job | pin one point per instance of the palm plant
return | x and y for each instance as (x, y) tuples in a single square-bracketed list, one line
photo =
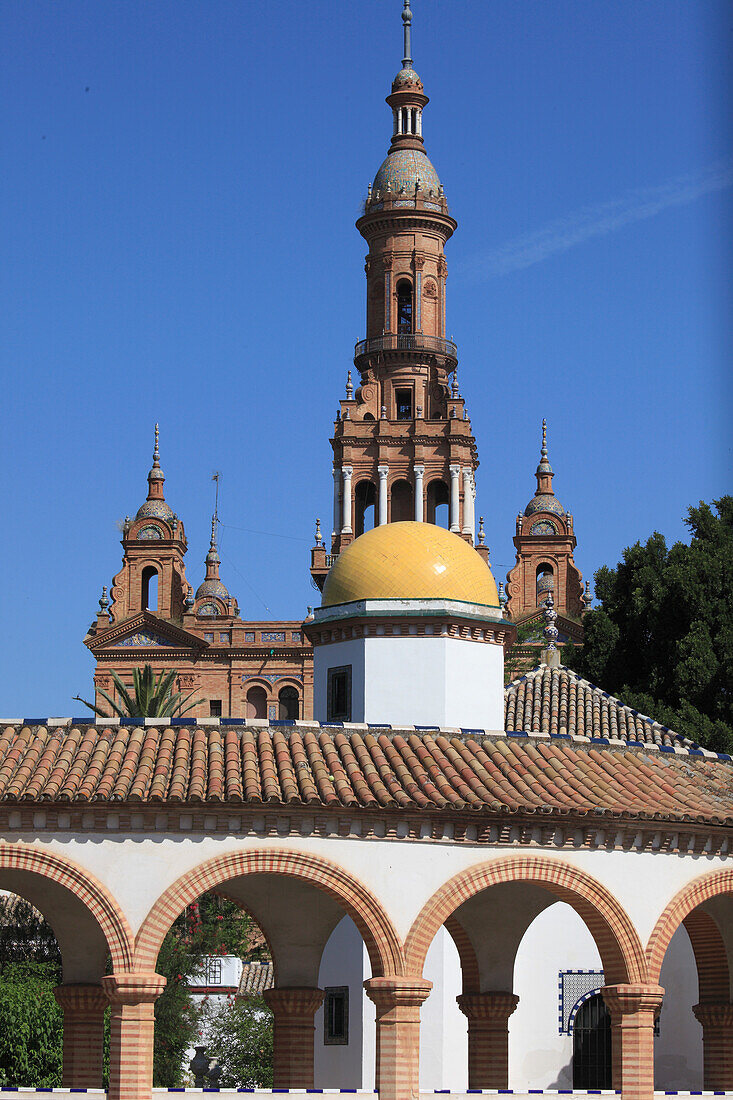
[(150, 697)]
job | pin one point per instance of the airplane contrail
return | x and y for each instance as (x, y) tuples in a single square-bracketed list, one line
[(597, 220)]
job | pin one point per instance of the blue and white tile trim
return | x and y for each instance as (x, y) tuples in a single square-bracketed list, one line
[(9, 1093), (692, 748), (574, 987)]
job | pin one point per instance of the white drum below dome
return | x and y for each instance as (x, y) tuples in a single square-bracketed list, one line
[(426, 663)]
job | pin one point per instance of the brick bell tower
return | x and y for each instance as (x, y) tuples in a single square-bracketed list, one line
[(154, 544), (403, 445), (544, 542)]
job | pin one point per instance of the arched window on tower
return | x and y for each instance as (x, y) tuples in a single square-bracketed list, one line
[(289, 703), (149, 589), (545, 582), (404, 306), (403, 501), (365, 500), (437, 503), (592, 1045)]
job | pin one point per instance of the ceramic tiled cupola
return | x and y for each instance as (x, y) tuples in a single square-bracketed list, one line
[(410, 631)]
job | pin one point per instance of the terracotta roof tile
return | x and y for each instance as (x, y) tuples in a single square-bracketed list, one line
[(557, 700), (359, 768), (256, 978)]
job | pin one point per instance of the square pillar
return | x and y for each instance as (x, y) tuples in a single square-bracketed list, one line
[(633, 1009), (717, 1045), (293, 1010), (398, 1003), (83, 1007), (488, 1037), (132, 1027)]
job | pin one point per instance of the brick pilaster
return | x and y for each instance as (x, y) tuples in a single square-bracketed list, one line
[(717, 1045), (398, 1003), (488, 1037), (633, 1009), (132, 997), (293, 1009), (83, 1007)]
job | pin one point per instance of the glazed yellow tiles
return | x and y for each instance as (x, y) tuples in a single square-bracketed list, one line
[(410, 560)]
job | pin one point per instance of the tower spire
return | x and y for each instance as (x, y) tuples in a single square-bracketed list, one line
[(544, 473), (156, 477), (406, 25)]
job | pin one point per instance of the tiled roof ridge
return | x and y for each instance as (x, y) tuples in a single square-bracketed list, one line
[(540, 669), (287, 726)]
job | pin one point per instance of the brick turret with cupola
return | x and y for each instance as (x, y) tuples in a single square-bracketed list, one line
[(403, 444), (233, 668), (545, 541)]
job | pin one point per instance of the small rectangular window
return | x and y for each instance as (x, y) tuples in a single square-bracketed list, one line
[(212, 972), (339, 694), (214, 708), (403, 399), (336, 1016)]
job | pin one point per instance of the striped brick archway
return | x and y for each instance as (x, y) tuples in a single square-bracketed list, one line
[(681, 907), (85, 888), (615, 936), (382, 942)]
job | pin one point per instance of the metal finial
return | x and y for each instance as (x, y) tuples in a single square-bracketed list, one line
[(406, 22), (544, 438), (503, 598), (103, 601), (587, 597), (214, 520), (481, 535), (551, 632), (349, 386), (156, 451), (319, 537)]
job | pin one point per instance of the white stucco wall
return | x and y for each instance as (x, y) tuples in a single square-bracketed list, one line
[(345, 962), (449, 682), (443, 1027)]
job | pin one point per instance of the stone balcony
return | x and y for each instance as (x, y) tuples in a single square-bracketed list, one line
[(412, 344)]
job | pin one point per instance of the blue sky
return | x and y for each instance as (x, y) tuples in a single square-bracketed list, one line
[(178, 202)]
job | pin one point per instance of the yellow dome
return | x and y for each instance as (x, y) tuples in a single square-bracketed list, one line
[(409, 561)]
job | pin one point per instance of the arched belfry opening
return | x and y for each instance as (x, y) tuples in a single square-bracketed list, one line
[(403, 501), (365, 505), (545, 582), (149, 589), (404, 306), (438, 498)]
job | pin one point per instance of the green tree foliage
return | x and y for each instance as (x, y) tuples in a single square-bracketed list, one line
[(151, 697), (240, 1037), (25, 937), (31, 1026), (662, 637), (211, 926)]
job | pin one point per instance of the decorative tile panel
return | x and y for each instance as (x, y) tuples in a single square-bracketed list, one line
[(145, 638), (574, 985), (271, 637)]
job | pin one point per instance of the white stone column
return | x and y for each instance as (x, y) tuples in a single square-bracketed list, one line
[(419, 502), (467, 496), (473, 509), (346, 472), (336, 499), (383, 472), (455, 499)]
